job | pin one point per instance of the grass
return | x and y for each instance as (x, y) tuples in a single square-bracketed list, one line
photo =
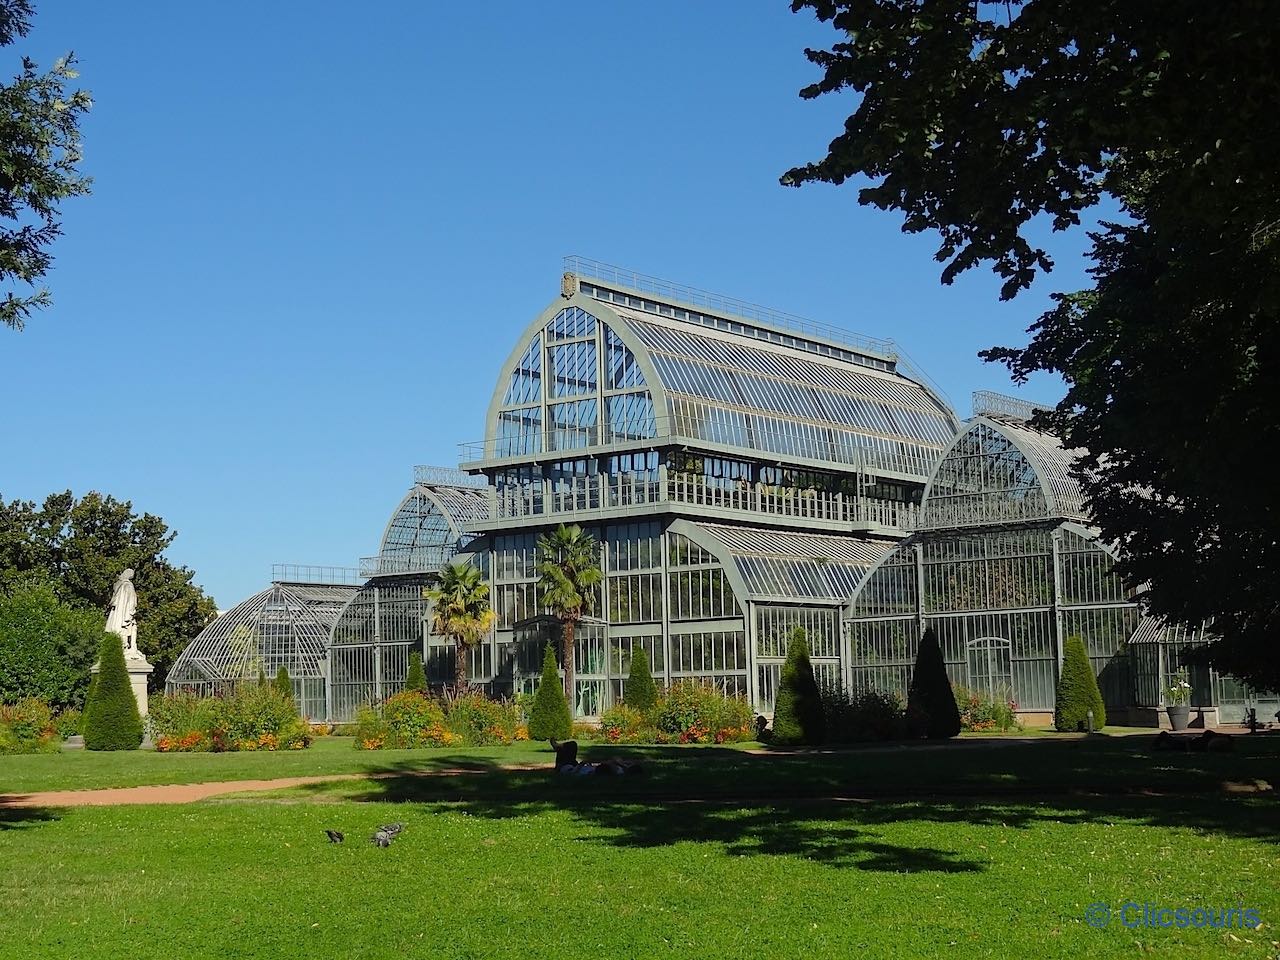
[(976, 848)]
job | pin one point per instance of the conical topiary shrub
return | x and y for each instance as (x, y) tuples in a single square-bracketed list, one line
[(113, 722), (88, 699), (283, 684), (416, 681), (549, 718), (797, 713), (1077, 691), (931, 695), (639, 691)]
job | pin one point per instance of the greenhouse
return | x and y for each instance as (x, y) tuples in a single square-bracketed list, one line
[(286, 625)]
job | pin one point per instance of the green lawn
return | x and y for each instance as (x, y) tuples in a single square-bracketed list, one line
[(974, 849)]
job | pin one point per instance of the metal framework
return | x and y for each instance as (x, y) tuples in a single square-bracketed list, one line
[(286, 625)]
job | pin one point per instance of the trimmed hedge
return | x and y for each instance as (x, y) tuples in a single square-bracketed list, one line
[(931, 698), (113, 721), (549, 718), (1077, 691), (416, 681), (797, 712), (639, 690)]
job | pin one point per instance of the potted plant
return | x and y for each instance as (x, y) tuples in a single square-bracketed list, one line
[(1177, 699)]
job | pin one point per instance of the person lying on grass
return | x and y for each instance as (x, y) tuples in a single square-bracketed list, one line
[(567, 762)]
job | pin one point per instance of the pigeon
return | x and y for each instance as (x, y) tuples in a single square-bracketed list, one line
[(382, 839), (393, 829), (334, 836)]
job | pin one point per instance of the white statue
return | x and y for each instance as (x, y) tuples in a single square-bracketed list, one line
[(122, 614)]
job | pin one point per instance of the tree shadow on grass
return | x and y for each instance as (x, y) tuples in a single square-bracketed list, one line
[(832, 807), (16, 818)]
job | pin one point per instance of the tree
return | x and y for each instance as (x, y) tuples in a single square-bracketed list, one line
[(460, 610), (550, 719), (46, 647), (930, 693), (985, 122), (639, 690), (113, 722), (416, 681), (39, 152), (797, 713), (80, 545), (568, 575), (1077, 691), (283, 685)]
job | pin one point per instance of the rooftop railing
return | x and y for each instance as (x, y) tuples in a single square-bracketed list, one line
[(307, 573), (445, 477), (990, 403)]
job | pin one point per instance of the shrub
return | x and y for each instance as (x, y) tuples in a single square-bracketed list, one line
[(284, 686), (27, 727), (416, 681), (549, 717), (930, 697), (868, 715), (46, 647), (979, 712), (696, 711), (412, 720), (88, 698), (797, 713), (626, 724), (67, 722), (1077, 691), (478, 721), (639, 690), (113, 722), (249, 717), (369, 729)]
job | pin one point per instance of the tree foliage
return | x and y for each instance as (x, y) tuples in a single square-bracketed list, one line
[(283, 685), (987, 122), (569, 575), (113, 721), (930, 694), (639, 691), (460, 610), (40, 117), (81, 545), (416, 680), (1077, 692), (798, 716), (549, 718), (46, 647)]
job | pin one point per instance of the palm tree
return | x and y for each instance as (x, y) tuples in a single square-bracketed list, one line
[(568, 572), (460, 609)]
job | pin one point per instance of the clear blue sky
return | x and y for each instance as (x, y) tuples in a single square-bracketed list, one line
[(317, 229)]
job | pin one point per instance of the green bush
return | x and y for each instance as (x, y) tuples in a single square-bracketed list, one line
[(369, 729), (868, 715), (46, 647), (797, 712), (284, 686), (626, 724), (697, 711), (979, 712), (88, 698), (413, 720), (639, 690), (930, 698), (549, 718), (481, 722), (1077, 691), (416, 681), (113, 722), (27, 727), (248, 717), (67, 722)]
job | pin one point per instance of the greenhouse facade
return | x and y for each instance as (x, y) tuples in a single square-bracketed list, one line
[(745, 472)]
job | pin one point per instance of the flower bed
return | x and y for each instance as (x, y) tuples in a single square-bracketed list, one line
[(689, 711), (28, 726), (252, 717), (982, 713), (412, 719)]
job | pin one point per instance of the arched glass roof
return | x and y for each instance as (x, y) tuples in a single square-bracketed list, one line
[(593, 373), (784, 566), (427, 529), (997, 471), (287, 625)]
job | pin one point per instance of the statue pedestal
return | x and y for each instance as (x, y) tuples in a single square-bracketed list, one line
[(139, 671)]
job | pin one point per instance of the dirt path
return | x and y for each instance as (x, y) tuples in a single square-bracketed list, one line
[(191, 792)]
